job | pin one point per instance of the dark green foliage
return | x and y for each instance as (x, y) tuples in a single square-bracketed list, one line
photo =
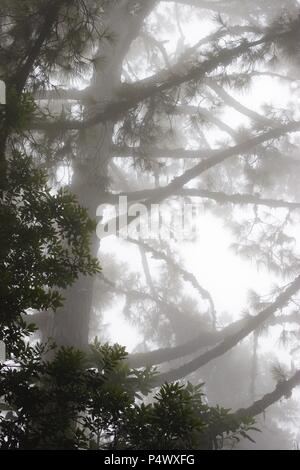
[(55, 35), (19, 110), (44, 245), (64, 398), (90, 400)]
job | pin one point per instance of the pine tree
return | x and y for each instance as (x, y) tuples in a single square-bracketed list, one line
[(140, 124)]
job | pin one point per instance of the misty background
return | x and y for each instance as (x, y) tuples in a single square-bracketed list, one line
[(173, 103)]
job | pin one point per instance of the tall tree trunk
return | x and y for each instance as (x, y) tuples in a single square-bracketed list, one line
[(70, 325)]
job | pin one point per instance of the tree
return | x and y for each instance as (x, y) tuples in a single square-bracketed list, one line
[(67, 404), (62, 398), (123, 118), (44, 246)]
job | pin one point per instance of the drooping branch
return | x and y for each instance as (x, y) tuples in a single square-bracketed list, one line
[(203, 340), (292, 318), (218, 196), (256, 73), (231, 341), (274, 75), (169, 309), (187, 276)]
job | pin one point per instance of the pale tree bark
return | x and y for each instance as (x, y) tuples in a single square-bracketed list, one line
[(70, 325)]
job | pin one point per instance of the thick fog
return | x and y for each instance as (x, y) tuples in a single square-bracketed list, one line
[(229, 254), (179, 133)]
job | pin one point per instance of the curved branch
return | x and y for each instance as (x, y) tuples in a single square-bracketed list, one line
[(282, 390), (204, 339), (231, 341)]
